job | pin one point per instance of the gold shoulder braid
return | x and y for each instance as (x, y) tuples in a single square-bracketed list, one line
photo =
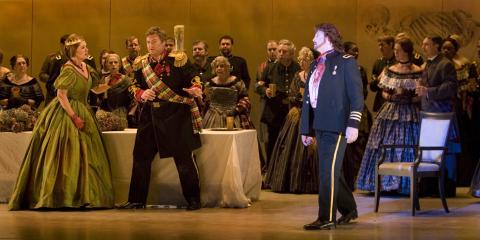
[(137, 64), (180, 58)]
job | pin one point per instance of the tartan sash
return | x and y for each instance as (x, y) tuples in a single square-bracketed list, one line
[(126, 64), (165, 93)]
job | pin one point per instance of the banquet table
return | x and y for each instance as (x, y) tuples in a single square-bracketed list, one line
[(228, 165)]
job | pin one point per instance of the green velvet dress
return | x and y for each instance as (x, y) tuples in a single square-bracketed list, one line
[(64, 167)]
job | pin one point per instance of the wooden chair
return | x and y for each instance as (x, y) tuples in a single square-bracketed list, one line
[(429, 158)]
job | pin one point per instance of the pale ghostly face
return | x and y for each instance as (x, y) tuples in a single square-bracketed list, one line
[(319, 41)]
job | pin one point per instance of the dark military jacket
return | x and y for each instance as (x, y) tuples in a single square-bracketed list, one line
[(340, 97)]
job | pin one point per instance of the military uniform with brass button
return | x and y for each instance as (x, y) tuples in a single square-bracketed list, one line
[(339, 105), (164, 127), (51, 69)]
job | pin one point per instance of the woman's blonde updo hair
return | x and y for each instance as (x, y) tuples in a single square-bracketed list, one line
[(72, 43), (220, 60), (305, 54)]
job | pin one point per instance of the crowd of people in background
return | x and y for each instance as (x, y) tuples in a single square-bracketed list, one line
[(404, 82)]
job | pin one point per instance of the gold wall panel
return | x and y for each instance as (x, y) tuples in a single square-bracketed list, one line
[(250, 30), (379, 17), (135, 17), (54, 18), (296, 21), (15, 29), (33, 27), (468, 14)]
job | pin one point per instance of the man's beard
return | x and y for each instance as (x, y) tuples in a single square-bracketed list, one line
[(226, 52), (285, 61), (133, 54), (199, 58)]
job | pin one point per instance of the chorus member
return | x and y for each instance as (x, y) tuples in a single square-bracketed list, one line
[(437, 89), (385, 45), (226, 95), (294, 167), (239, 64), (397, 121), (274, 90), (18, 88)]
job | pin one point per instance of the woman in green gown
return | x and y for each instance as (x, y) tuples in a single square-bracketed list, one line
[(66, 165)]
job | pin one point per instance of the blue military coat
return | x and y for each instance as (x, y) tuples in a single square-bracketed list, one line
[(340, 97)]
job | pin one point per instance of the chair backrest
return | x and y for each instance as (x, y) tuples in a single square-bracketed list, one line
[(434, 131)]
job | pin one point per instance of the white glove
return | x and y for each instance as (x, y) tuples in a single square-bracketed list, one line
[(351, 134), (306, 140)]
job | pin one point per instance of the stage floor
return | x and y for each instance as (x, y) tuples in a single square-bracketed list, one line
[(275, 216)]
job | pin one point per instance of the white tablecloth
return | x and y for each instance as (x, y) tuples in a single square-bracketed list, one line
[(228, 165)]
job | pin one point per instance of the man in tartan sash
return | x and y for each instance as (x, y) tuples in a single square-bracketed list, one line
[(169, 121)]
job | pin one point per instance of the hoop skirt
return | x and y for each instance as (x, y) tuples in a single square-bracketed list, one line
[(64, 167), (292, 166), (397, 122)]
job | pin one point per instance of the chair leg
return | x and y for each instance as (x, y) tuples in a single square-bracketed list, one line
[(441, 189), (377, 190), (413, 190), (417, 200)]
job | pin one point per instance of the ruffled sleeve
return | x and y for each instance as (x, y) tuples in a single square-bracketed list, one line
[(66, 79)]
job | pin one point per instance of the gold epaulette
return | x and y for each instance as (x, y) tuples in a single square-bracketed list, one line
[(137, 64), (417, 56), (181, 58), (58, 56), (90, 57), (346, 56)]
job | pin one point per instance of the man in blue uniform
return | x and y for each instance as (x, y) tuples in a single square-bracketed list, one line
[(332, 109)]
